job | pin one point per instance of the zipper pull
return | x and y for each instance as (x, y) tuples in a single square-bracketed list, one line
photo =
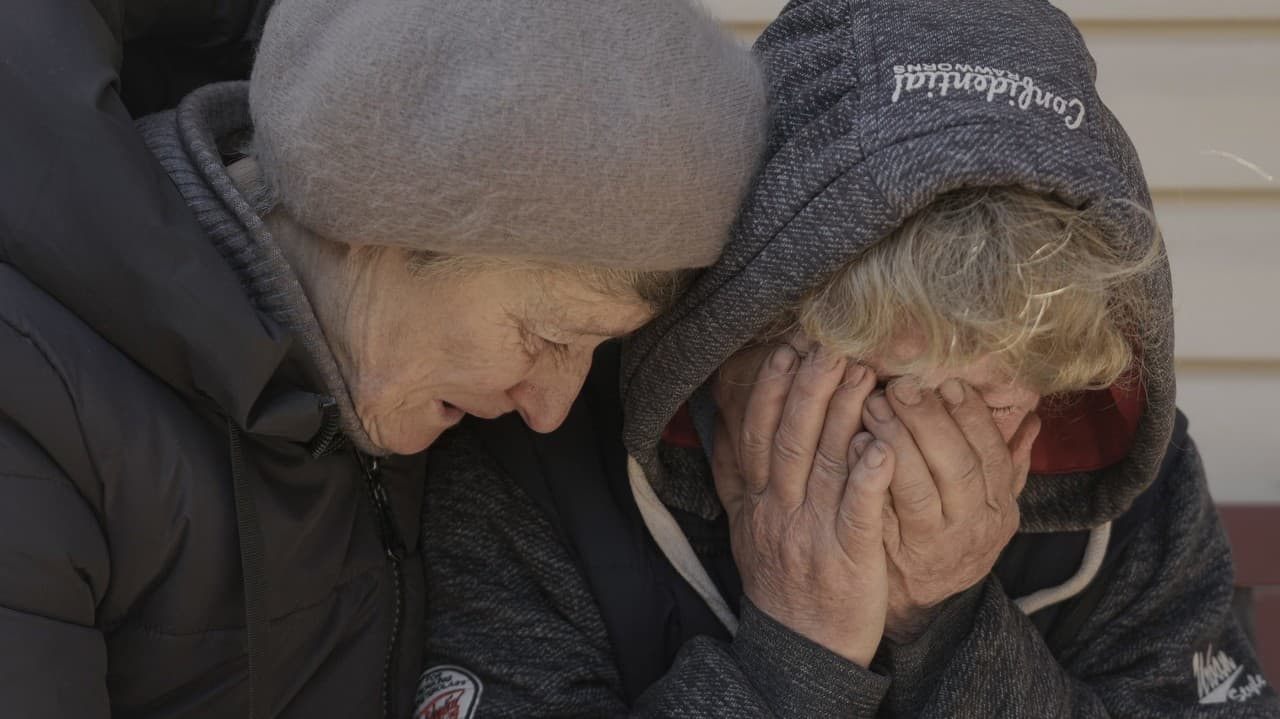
[(329, 437), (392, 542)]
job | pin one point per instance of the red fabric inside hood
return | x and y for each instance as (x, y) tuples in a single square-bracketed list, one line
[(1087, 431), (1080, 432)]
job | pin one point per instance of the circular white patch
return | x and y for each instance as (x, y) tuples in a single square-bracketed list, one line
[(447, 692)]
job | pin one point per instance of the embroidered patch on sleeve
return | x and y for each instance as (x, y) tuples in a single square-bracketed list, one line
[(447, 692)]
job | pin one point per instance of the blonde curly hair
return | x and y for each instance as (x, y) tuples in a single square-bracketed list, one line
[(1000, 271)]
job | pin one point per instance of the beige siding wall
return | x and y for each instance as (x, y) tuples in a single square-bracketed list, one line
[(1197, 84)]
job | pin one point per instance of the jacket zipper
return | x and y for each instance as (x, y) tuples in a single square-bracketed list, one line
[(394, 547), (330, 438)]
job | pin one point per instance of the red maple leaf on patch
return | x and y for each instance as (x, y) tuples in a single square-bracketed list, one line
[(445, 705)]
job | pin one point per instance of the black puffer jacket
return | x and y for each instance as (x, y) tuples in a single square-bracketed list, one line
[(131, 359)]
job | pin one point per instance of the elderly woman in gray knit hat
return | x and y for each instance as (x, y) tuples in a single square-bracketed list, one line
[(212, 418), (547, 165)]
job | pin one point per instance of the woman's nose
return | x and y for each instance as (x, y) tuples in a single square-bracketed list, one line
[(544, 398)]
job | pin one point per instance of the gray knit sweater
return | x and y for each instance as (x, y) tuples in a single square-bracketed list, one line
[(508, 602)]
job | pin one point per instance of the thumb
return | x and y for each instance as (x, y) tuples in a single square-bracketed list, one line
[(860, 521)]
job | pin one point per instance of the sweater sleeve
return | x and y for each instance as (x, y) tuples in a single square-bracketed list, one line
[(1162, 641), (510, 613)]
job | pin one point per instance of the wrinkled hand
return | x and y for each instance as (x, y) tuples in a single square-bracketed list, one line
[(805, 521), (954, 494)]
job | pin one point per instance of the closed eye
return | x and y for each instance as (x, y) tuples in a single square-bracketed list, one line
[(531, 345), (535, 343)]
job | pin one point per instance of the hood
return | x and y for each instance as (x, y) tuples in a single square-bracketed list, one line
[(879, 108)]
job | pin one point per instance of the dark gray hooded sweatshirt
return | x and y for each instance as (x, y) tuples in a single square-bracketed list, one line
[(880, 107)]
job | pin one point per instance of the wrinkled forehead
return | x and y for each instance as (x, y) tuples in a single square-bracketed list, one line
[(578, 305)]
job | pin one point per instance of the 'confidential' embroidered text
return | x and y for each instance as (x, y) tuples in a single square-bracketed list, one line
[(1020, 91)]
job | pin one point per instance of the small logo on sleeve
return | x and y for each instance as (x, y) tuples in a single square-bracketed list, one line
[(995, 84), (447, 692), (1218, 678)]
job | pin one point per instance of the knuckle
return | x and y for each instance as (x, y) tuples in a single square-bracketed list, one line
[(1000, 462), (915, 501), (971, 473), (854, 521), (996, 503), (995, 454), (829, 465), (1005, 501), (787, 448), (752, 442)]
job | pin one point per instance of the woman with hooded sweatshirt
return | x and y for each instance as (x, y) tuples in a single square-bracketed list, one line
[(925, 459), (227, 333)]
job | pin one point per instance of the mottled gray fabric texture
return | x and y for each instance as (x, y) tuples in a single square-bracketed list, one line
[(1134, 656), (188, 141), (506, 601), (865, 135), (616, 133)]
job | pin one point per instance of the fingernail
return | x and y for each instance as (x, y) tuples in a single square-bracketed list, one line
[(952, 392), (860, 442), (784, 359), (907, 391), (874, 456), (879, 407)]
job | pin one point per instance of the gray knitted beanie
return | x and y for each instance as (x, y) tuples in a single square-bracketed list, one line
[(614, 133)]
